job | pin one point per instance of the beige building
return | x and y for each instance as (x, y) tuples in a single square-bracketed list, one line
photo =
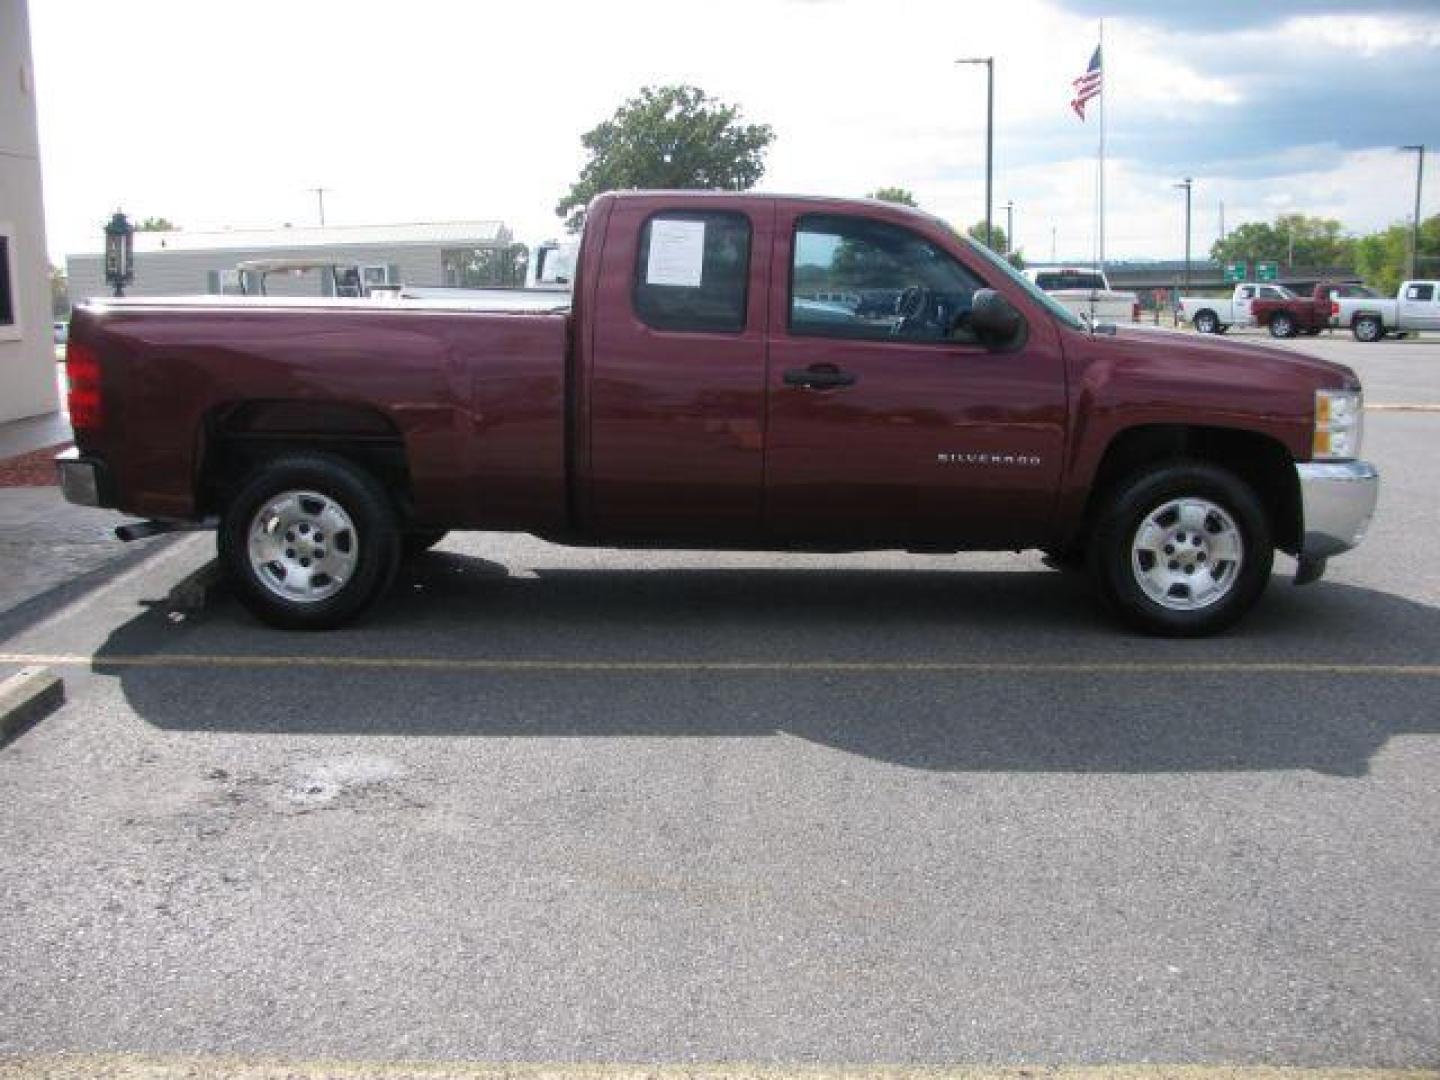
[(27, 349), (187, 263)]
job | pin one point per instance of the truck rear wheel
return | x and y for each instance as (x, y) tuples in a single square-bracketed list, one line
[(1207, 322), (309, 540), (1367, 328), (1282, 325), (1182, 549)]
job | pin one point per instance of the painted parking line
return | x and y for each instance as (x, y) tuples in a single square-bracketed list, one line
[(131, 1067), (1401, 406), (779, 667)]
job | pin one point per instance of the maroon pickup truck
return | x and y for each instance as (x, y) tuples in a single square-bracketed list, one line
[(732, 371), (1305, 315)]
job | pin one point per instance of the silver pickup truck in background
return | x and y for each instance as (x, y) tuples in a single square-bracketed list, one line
[(1085, 293), (1415, 307)]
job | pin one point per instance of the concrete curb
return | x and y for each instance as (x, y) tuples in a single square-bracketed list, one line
[(27, 697)]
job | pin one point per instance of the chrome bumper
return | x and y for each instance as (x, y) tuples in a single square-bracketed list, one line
[(1337, 501)]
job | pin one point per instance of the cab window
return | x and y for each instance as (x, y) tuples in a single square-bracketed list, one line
[(1420, 292), (693, 270), (859, 278)]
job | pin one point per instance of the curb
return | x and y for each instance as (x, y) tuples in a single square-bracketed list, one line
[(27, 697)]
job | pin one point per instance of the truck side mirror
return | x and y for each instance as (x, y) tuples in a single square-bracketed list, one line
[(993, 318)]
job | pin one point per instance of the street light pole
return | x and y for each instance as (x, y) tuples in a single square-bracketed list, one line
[(989, 62), (320, 194), (1415, 222), (1187, 183), (1009, 226)]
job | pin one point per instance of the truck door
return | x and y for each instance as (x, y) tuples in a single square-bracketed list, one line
[(885, 427), (674, 388), (1419, 308), (1244, 297)]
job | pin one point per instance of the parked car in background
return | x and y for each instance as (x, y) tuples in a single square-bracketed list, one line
[(1416, 306), (1085, 292), (1303, 314), (1215, 315), (693, 395)]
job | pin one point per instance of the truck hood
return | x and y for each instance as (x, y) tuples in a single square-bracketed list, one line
[(1251, 361)]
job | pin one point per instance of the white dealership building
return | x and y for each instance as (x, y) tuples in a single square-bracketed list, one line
[(27, 344)]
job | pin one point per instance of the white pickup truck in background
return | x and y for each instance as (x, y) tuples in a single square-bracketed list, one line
[(1415, 307), (1086, 293), (1215, 315)]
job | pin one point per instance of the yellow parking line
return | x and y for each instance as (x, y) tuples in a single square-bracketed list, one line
[(661, 667), (132, 1067)]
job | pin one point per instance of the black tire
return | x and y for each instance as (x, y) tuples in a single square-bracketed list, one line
[(1206, 322), (1367, 328), (365, 532), (1118, 570), (1282, 325), (418, 541)]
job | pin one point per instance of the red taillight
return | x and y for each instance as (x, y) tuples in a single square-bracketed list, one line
[(82, 369), (1335, 308)]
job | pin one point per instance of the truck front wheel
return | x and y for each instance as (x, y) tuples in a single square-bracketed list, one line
[(1282, 325), (1182, 549), (1368, 328), (309, 540)]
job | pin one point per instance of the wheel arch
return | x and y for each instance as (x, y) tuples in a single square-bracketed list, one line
[(239, 437), (1261, 461)]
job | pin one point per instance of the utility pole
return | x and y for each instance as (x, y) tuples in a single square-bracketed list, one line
[(1415, 221), (989, 62), (1009, 226), (320, 194), (1187, 184), (1052, 243), (1222, 219)]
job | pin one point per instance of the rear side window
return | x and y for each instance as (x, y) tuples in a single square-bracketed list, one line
[(693, 270), (1420, 292)]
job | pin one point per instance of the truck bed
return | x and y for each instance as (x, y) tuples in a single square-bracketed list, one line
[(473, 392)]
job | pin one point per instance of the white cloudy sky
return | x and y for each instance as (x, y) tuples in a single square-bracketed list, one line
[(222, 114)]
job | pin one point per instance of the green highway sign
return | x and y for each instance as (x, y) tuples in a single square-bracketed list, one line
[(1236, 271), (1267, 271)]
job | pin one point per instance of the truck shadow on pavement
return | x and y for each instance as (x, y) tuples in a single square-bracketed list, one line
[(1189, 710)]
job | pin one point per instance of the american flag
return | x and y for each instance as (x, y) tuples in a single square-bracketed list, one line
[(1087, 86)]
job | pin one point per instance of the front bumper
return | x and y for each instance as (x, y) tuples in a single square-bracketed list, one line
[(84, 481), (1337, 501)]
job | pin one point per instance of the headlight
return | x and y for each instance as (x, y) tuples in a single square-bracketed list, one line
[(1338, 424)]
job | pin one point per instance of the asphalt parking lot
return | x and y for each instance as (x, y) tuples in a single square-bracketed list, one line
[(566, 805)]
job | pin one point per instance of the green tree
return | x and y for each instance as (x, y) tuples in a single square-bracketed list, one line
[(668, 137), (1383, 258), (1293, 240), (900, 195), (156, 224), (999, 242)]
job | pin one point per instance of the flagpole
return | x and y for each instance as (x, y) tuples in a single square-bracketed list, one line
[(1105, 79)]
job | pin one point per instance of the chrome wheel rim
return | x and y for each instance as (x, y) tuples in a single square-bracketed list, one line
[(1187, 554), (303, 546)]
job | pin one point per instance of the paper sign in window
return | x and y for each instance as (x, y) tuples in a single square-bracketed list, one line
[(677, 253)]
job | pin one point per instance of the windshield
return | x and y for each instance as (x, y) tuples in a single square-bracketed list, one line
[(1055, 280), (1064, 314)]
